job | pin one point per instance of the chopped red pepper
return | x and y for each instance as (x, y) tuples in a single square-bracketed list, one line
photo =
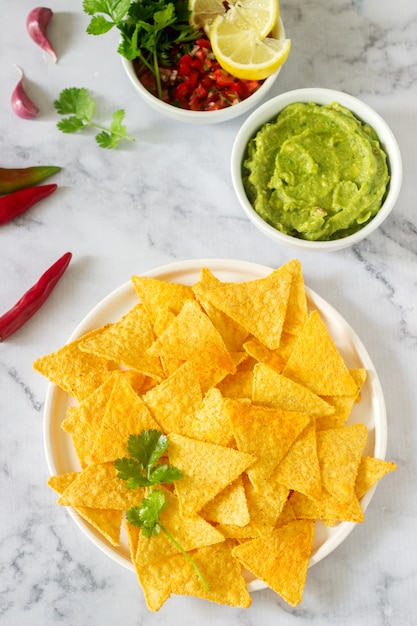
[(196, 81), (33, 299), (20, 201)]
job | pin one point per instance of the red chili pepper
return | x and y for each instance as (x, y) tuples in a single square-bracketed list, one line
[(20, 201), (33, 299), (20, 178)]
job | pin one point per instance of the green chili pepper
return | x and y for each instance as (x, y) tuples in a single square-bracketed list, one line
[(20, 178)]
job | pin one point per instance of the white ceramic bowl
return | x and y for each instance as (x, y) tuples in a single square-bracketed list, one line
[(268, 111), (204, 117)]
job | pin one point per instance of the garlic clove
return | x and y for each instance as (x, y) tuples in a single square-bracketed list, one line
[(22, 105), (37, 26)]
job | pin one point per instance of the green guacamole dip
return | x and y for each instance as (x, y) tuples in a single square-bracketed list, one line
[(316, 172)]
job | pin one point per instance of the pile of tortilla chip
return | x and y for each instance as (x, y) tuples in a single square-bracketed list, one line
[(254, 396)]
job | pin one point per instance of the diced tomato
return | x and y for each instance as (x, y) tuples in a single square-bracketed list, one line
[(196, 81)]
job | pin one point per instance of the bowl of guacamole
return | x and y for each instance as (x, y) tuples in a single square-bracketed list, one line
[(316, 169)]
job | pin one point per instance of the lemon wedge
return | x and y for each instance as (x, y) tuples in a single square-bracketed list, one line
[(243, 52), (261, 15)]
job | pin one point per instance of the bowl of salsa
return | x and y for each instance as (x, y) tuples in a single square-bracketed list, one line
[(195, 88), (316, 169)]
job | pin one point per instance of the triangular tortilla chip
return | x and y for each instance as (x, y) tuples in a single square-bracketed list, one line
[(99, 487), (126, 414), (233, 333), (192, 337), (299, 470), (265, 433), (211, 422), (173, 402), (275, 390), (126, 342), (258, 305), (342, 404), (159, 295), (316, 363), (339, 451), (328, 509), (229, 506), (106, 521), (237, 385), (281, 560), (74, 371), (264, 512), (190, 532), (207, 469), (370, 471), (297, 312)]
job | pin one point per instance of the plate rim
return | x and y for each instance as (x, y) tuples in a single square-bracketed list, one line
[(229, 265)]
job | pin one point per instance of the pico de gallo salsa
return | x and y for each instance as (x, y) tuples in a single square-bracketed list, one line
[(192, 79)]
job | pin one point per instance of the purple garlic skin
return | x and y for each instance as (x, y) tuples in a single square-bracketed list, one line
[(22, 105), (37, 26)]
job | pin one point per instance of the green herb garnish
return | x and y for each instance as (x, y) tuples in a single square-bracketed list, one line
[(141, 469), (80, 106), (149, 29)]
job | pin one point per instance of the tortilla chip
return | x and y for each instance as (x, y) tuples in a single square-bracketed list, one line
[(370, 471), (342, 404), (173, 402), (192, 337), (340, 452), (177, 575), (297, 313), (237, 385), (74, 371), (98, 486), (207, 469), (281, 560), (328, 509), (211, 422), (126, 342), (233, 333), (263, 510), (126, 414), (265, 433), (258, 305), (158, 296), (299, 470), (229, 506), (316, 363), (275, 390)]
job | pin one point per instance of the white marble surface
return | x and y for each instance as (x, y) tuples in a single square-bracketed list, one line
[(165, 198)]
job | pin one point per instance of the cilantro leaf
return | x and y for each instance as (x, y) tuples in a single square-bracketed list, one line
[(165, 474), (78, 102), (131, 470), (147, 514), (148, 447), (99, 25)]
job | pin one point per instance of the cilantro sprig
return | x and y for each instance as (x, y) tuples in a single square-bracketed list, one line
[(80, 106), (149, 29), (142, 469)]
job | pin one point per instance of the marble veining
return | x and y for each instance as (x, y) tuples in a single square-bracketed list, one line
[(168, 197)]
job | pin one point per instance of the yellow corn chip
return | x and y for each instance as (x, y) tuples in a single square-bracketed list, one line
[(107, 521), (173, 402), (159, 295), (237, 385), (211, 421), (98, 486), (265, 433), (342, 404), (281, 560), (263, 510), (370, 471), (207, 469), (316, 363), (299, 470), (275, 390), (126, 414), (328, 509), (76, 372), (339, 452), (259, 305), (232, 333), (127, 342), (229, 506), (296, 315)]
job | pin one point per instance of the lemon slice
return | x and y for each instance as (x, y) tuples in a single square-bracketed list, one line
[(261, 15), (245, 54)]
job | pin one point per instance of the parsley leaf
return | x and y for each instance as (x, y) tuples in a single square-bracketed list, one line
[(80, 105), (141, 469)]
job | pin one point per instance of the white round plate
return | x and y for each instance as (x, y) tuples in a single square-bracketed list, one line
[(370, 411)]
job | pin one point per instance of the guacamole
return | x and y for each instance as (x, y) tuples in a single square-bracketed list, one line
[(316, 172)]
